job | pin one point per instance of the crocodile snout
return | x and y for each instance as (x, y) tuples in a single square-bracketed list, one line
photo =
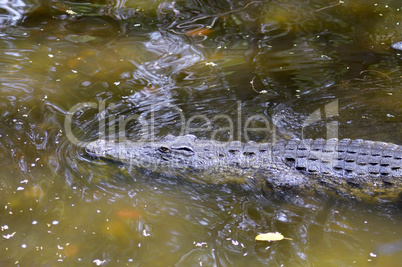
[(397, 46)]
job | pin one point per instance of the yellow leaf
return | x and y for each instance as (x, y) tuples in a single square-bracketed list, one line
[(271, 237)]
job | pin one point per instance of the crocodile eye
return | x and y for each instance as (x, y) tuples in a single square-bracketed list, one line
[(163, 149)]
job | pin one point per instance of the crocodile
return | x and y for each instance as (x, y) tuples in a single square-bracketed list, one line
[(346, 166), (397, 46)]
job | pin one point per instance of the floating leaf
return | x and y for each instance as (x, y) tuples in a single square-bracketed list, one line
[(271, 237)]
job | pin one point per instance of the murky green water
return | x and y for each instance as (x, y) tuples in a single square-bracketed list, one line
[(301, 68)]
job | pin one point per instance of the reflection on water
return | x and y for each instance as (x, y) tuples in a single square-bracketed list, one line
[(164, 63), (11, 12)]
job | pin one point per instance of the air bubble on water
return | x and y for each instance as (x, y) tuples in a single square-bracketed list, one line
[(98, 262), (132, 193)]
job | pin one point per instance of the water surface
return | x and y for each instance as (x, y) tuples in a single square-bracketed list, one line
[(317, 69)]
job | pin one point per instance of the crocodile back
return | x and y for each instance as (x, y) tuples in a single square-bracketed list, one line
[(352, 160)]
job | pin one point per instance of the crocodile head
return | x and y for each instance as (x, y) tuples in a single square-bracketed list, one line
[(170, 152), (397, 46)]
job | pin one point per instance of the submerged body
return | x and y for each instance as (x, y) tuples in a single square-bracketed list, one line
[(347, 166)]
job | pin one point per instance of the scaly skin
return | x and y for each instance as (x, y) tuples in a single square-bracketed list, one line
[(347, 166)]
